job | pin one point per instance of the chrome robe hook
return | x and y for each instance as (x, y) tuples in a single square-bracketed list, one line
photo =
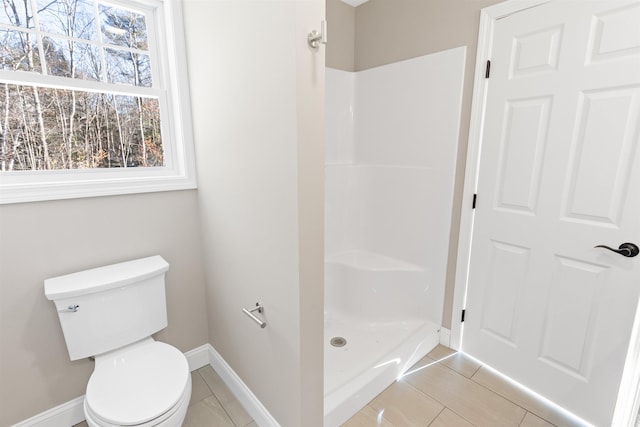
[(315, 38)]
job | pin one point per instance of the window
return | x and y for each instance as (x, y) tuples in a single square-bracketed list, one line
[(93, 99)]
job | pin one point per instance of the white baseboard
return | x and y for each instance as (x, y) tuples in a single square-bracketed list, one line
[(67, 414), (198, 357), (445, 337), (72, 412), (245, 396)]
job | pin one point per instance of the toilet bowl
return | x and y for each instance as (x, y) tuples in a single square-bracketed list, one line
[(110, 313), (144, 384)]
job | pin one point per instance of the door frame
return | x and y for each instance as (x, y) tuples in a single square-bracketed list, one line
[(629, 395)]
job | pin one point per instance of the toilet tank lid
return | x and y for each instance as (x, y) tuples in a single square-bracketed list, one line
[(104, 278)]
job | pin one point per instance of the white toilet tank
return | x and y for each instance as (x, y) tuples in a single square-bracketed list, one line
[(106, 308)]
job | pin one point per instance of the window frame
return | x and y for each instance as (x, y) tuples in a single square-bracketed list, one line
[(170, 76)]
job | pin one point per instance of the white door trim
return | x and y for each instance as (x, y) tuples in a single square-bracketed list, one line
[(629, 396)]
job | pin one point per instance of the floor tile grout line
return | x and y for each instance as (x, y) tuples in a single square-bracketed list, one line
[(458, 372), (439, 361), (412, 371), (205, 383), (523, 416), (476, 371), (538, 416), (502, 396), (464, 418), (224, 408), (233, 398), (213, 393), (522, 420), (463, 376), (437, 415), (444, 406), (227, 412), (426, 394), (526, 409)]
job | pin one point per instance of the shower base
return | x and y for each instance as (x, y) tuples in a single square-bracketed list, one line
[(375, 355)]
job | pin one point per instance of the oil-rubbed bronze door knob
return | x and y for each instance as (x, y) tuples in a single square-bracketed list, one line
[(626, 249)]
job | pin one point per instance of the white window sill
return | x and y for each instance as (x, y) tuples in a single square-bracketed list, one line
[(80, 184)]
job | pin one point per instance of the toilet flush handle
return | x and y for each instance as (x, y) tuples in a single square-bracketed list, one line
[(71, 309)]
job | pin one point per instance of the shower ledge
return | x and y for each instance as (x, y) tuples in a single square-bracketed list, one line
[(372, 261)]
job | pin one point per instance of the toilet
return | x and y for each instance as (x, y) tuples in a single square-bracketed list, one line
[(110, 313)]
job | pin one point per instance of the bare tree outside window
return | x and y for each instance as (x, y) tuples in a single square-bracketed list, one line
[(63, 125)]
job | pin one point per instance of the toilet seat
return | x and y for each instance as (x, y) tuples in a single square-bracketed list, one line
[(171, 418), (139, 385)]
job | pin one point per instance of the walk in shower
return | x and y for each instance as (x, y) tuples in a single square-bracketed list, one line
[(391, 146)]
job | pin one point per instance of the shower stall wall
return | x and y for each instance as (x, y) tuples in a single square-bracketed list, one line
[(392, 136)]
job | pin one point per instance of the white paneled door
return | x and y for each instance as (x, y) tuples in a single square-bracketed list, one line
[(559, 174)]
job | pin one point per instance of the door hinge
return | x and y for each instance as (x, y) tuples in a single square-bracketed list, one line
[(488, 70), (462, 317), (475, 197)]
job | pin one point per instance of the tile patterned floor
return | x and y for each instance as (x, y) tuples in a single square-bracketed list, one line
[(444, 389), (448, 389)]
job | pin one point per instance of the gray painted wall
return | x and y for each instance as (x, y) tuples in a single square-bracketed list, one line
[(47, 239), (258, 112), (341, 40)]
